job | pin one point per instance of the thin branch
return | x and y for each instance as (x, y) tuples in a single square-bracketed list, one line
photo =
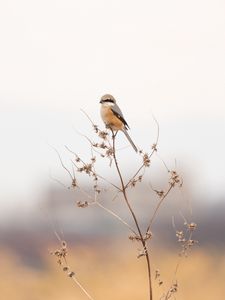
[(96, 202), (116, 216), (106, 180), (160, 158), (57, 180), (92, 144), (71, 151), (81, 287), (158, 206), (137, 172), (157, 136), (87, 116), (62, 164)]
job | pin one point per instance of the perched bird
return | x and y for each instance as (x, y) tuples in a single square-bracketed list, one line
[(113, 118)]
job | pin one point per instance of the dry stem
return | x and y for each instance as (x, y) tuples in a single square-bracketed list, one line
[(143, 241)]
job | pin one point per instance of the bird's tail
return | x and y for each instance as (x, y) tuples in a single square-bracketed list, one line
[(130, 140)]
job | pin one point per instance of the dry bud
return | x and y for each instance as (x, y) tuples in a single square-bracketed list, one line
[(192, 226), (103, 134), (146, 160), (174, 288), (147, 236), (87, 168), (175, 179), (71, 274), (93, 159), (154, 147), (180, 236), (102, 145), (95, 128), (134, 238), (109, 152), (157, 273), (74, 183), (64, 245), (82, 204), (159, 193), (141, 253)]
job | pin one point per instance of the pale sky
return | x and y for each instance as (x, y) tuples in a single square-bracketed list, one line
[(165, 58)]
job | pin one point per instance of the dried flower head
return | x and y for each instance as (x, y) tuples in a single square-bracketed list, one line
[(160, 193), (82, 204), (157, 273), (175, 179), (147, 236), (146, 160), (102, 145), (103, 134), (109, 152), (74, 183), (134, 238), (61, 253), (192, 226), (154, 147), (180, 236), (95, 128), (157, 277), (174, 288), (71, 274)]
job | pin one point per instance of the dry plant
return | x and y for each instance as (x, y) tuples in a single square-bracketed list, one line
[(105, 148)]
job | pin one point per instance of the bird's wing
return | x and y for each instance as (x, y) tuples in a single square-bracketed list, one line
[(116, 110)]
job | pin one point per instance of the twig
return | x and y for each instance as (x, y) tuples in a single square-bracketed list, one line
[(158, 206), (81, 287), (62, 164), (137, 172), (87, 116), (96, 202), (116, 216)]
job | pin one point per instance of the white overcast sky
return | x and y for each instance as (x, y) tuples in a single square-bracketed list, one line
[(165, 58)]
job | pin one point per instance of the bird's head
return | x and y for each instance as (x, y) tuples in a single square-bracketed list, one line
[(107, 98)]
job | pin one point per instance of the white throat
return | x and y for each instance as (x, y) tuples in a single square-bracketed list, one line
[(107, 104)]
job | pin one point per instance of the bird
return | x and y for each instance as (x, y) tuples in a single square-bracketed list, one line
[(113, 117)]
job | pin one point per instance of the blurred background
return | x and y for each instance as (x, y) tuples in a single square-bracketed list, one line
[(161, 60)]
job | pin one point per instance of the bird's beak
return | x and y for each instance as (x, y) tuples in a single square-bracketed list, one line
[(100, 101)]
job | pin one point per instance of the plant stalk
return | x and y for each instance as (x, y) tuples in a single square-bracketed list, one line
[(123, 189)]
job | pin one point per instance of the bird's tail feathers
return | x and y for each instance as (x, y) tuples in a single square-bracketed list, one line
[(130, 140)]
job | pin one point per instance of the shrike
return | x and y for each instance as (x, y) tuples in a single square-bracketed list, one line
[(113, 118)]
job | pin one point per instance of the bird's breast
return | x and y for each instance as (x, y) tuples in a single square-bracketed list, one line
[(110, 119)]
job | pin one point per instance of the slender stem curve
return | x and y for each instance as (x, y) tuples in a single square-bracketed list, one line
[(157, 208)]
